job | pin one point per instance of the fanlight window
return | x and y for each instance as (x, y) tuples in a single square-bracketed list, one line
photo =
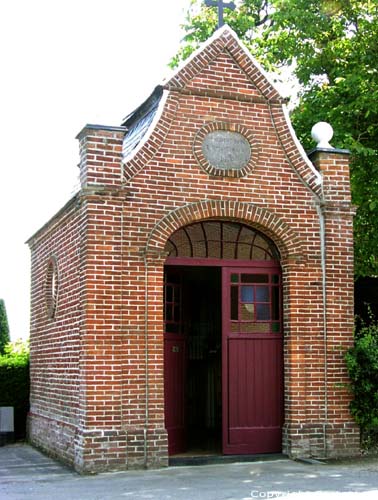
[(221, 240)]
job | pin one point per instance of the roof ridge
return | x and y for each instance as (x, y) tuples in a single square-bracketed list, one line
[(225, 36)]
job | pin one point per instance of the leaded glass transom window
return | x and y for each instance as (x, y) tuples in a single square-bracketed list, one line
[(221, 240)]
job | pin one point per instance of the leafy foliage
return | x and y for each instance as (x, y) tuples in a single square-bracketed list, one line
[(14, 382), (201, 22), (4, 328), (362, 363), (340, 78), (16, 352), (331, 47)]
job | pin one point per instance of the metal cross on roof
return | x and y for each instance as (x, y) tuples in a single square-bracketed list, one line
[(221, 5)]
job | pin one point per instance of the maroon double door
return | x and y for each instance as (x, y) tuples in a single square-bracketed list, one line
[(250, 357)]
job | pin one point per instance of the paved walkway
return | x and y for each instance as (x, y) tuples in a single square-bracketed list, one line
[(26, 474)]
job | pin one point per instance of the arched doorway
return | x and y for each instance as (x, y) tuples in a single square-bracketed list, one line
[(223, 365)]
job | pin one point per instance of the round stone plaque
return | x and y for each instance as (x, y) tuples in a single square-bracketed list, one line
[(226, 150)]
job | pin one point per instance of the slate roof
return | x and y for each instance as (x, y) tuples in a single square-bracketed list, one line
[(138, 122)]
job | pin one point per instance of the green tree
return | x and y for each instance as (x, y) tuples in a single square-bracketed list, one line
[(337, 65), (331, 47), (4, 328)]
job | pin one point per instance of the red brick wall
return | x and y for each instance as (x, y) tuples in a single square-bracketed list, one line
[(97, 369), (55, 343)]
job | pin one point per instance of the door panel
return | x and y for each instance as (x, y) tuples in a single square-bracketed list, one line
[(174, 363), (252, 361), (174, 384)]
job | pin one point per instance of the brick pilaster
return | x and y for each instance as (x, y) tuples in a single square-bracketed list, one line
[(342, 435)]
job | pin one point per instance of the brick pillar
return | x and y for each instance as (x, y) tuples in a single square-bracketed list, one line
[(334, 167), (157, 448), (342, 434), (100, 155), (143, 390), (101, 440)]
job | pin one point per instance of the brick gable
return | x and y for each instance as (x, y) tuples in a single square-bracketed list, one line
[(224, 76)]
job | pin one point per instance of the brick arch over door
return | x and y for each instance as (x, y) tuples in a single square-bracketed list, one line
[(220, 239), (284, 237)]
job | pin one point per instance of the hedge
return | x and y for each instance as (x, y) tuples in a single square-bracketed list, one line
[(14, 389), (362, 363)]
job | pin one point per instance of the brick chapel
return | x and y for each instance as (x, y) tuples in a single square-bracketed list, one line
[(196, 294)]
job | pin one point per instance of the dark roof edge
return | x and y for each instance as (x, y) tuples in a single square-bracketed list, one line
[(108, 128), (54, 217), (328, 150), (145, 107)]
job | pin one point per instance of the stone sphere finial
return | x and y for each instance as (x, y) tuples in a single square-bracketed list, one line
[(322, 133)]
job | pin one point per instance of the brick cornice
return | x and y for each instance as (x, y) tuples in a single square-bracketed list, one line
[(101, 191), (232, 96), (339, 209)]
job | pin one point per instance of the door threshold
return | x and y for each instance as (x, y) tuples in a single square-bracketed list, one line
[(212, 459)]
